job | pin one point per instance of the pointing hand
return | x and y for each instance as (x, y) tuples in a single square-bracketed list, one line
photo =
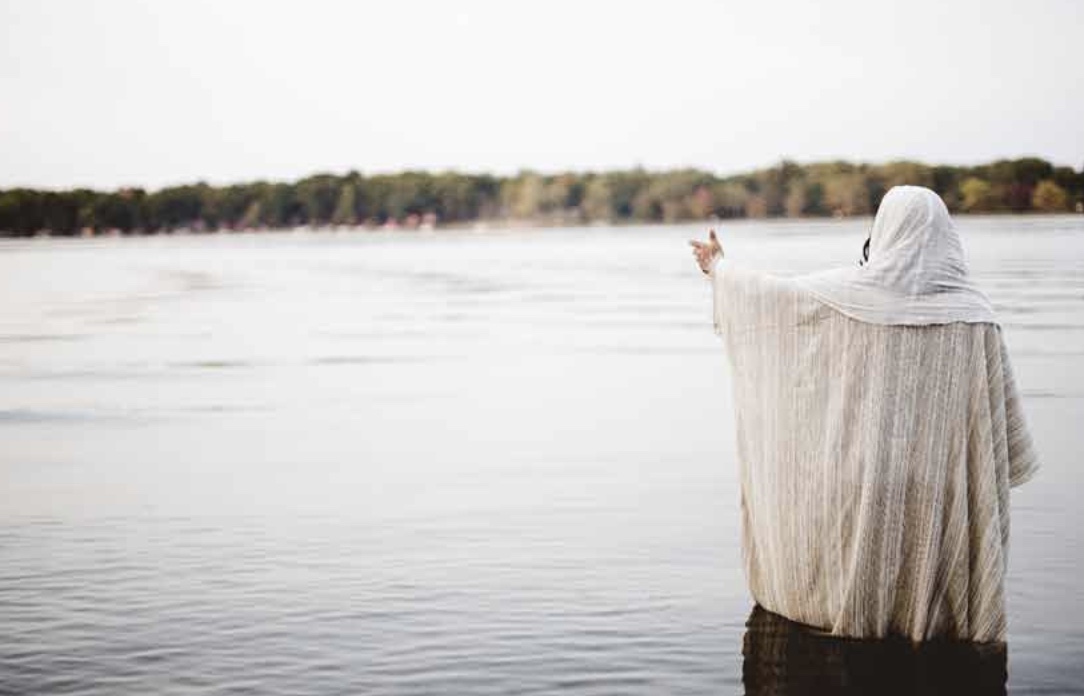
[(705, 252)]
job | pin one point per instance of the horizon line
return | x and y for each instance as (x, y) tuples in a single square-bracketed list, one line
[(544, 172)]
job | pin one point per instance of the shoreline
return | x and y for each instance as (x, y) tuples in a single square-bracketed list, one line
[(490, 226), (438, 200)]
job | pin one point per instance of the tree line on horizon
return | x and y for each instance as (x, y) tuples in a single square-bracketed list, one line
[(414, 198)]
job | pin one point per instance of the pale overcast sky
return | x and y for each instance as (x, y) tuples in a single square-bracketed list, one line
[(107, 93)]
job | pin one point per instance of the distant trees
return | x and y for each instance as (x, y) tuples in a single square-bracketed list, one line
[(413, 198), (346, 212), (847, 193), (598, 200), (977, 195), (1048, 197)]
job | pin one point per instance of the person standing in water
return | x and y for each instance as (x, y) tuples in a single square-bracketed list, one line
[(879, 430)]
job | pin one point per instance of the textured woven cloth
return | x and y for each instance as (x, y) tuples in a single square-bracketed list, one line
[(875, 463), (916, 272)]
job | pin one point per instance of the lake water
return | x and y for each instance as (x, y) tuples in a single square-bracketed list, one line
[(452, 462)]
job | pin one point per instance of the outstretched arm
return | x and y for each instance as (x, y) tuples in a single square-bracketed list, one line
[(740, 295)]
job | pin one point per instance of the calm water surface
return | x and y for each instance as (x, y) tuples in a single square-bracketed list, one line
[(450, 462)]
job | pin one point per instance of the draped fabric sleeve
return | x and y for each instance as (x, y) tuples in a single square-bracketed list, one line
[(745, 300), (1023, 458)]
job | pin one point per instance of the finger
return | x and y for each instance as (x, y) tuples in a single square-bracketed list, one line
[(714, 239)]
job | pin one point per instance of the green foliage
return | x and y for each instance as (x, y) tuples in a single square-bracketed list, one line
[(977, 195), (598, 200), (346, 208), (1049, 197), (636, 195)]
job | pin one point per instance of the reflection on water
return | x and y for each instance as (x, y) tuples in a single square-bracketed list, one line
[(784, 658), (446, 463)]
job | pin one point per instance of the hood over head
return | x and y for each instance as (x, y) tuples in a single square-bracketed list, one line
[(916, 272)]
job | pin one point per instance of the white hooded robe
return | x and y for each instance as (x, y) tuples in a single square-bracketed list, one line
[(879, 430)]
